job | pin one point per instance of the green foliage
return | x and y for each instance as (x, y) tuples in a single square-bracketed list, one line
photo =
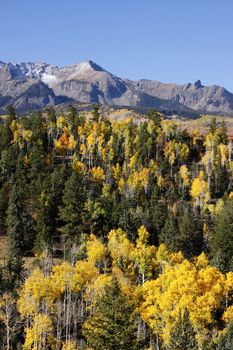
[(15, 232), (222, 241), (112, 325), (71, 212), (66, 177), (183, 334), (226, 341)]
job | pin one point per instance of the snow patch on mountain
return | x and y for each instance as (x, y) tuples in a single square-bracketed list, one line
[(49, 79)]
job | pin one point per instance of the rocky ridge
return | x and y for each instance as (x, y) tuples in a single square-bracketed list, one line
[(30, 86)]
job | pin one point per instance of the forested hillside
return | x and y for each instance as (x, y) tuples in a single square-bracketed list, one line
[(119, 233)]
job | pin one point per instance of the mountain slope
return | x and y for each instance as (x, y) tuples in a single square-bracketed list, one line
[(212, 99), (34, 85)]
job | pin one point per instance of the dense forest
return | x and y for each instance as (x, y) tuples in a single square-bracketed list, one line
[(119, 233)]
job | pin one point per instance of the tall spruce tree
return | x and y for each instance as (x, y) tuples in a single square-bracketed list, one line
[(15, 233), (226, 341), (112, 325), (190, 240), (170, 233), (71, 212), (183, 335), (222, 242)]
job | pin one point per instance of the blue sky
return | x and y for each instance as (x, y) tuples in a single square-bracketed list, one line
[(169, 40)]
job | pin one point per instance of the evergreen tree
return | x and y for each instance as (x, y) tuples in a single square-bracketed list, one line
[(226, 341), (222, 181), (158, 215), (222, 242), (4, 198), (71, 212), (6, 132), (112, 325), (96, 113), (190, 240), (170, 233), (15, 233), (183, 335), (46, 222), (11, 112)]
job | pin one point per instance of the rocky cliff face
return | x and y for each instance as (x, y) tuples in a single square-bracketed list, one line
[(212, 99), (31, 86)]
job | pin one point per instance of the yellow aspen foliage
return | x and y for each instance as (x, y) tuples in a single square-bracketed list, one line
[(170, 152), (160, 181), (60, 122), (27, 134), (91, 142), (184, 174), (201, 261), (80, 167), (228, 314), (231, 166), (169, 127), (97, 174), (84, 273), (144, 255), (106, 190), (83, 150), (111, 151), (95, 290), (121, 184), (36, 288), (95, 250), (72, 143), (183, 284), (199, 188), (153, 166), (26, 160), (39, 336), (69, 345), (20, 135), (223, 150), (119, 247), (61, 143), (62, 276), (116, 169), (195, 136), (133, 161), (182, 151), (139, 179)]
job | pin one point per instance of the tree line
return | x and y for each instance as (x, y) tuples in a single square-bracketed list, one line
[(128, 218)]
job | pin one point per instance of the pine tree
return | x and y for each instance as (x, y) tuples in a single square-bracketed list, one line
[(45, 227), (226, 341), (190, 240), (112, 324), (15, 233), (222, 242), (72, 210), (170, 233), (183, 335)]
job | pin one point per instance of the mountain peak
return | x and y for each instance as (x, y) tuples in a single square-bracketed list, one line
[(86, 65), (198, 84)]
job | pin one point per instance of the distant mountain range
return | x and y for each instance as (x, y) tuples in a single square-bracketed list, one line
[(30, 86)]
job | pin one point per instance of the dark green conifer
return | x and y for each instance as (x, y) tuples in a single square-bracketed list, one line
[(222, 242), (112, 325), (183, 335), (72, 210), (15, 232)]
